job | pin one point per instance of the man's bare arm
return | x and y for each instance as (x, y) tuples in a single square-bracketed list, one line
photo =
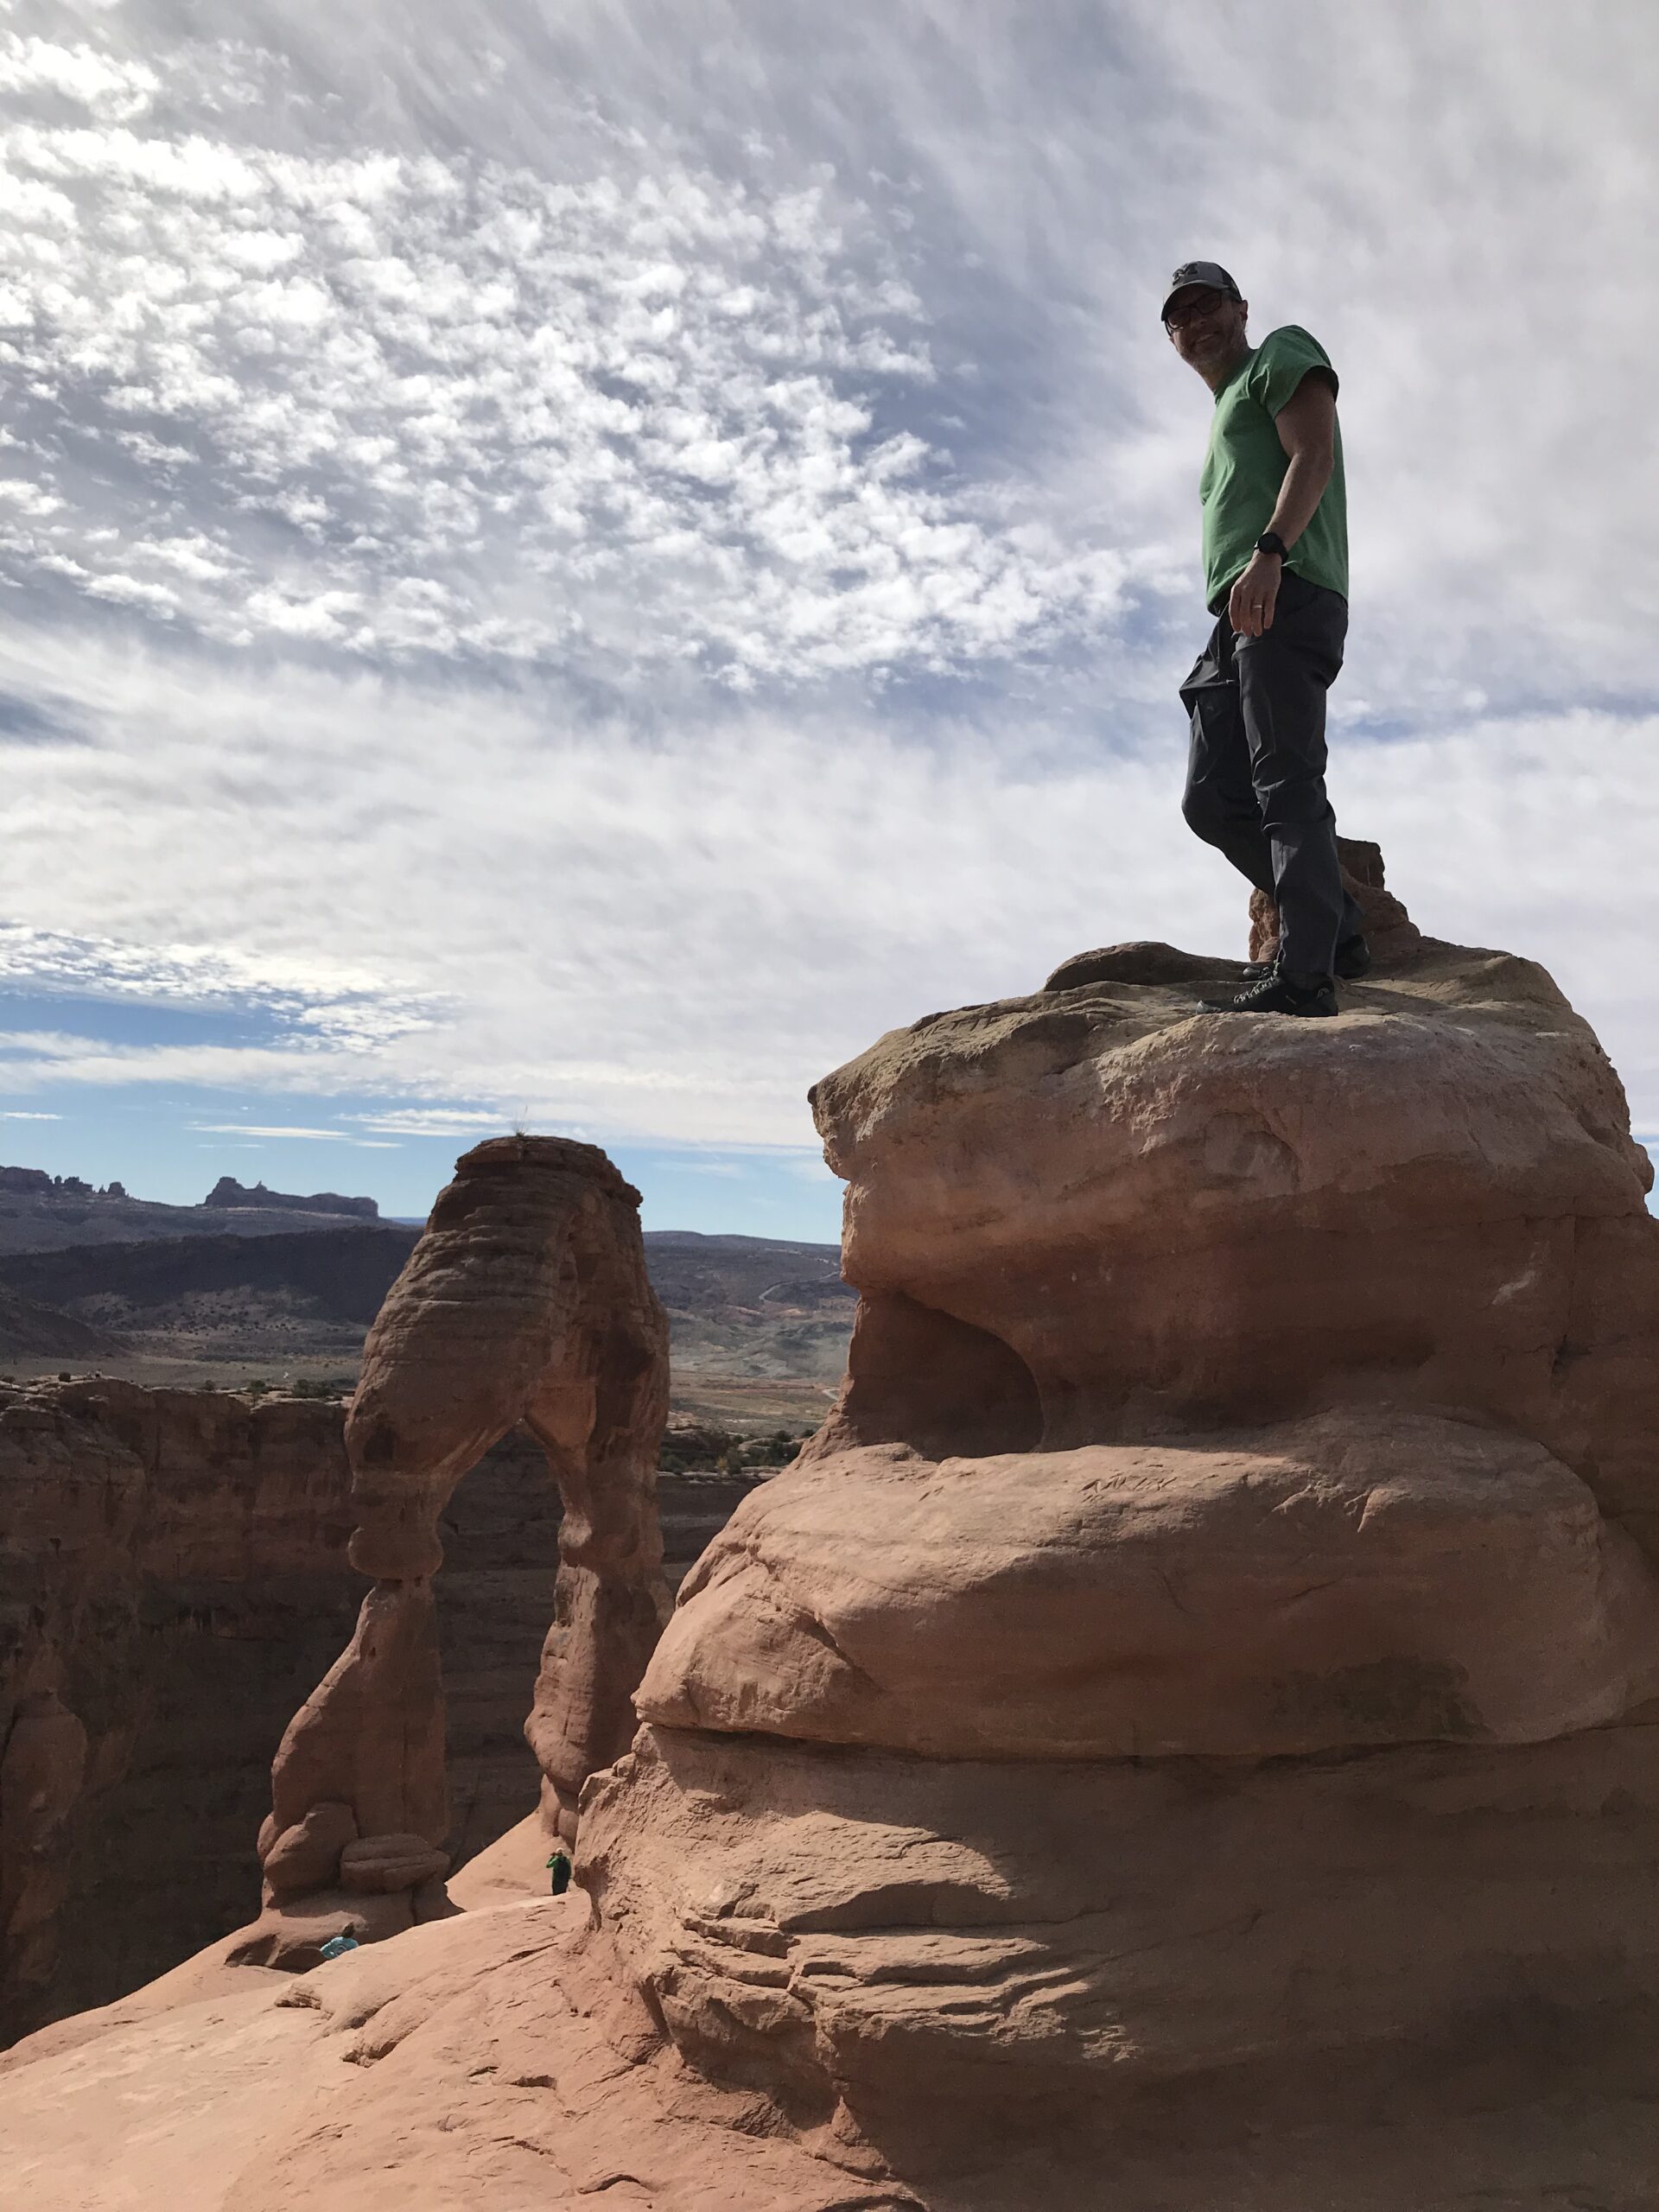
[(1306, 424)]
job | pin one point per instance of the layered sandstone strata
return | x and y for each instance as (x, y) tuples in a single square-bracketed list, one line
[(1203, 1676)]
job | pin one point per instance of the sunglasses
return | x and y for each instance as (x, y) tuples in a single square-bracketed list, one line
[(1194, 310)]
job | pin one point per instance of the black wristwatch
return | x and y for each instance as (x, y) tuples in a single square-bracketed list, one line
[(1270, 542)]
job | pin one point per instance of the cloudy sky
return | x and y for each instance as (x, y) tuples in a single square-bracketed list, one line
[(567, 565)]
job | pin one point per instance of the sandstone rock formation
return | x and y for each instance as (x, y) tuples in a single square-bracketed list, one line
[(1247, 1594), (1185, 1734), (1203, 1677), (35, 1181), (477, 2064), (1088, 1215), (328, 1276), (495, 1600), (42, 1213), (525, 1301)]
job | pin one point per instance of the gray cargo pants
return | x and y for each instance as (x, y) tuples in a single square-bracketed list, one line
[(1255, 773)]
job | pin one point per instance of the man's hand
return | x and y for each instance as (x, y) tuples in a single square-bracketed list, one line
[(1251, 602)]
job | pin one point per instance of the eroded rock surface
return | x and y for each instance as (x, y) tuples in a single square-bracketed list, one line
[(1088, 1214), (1390, 930), (527, 1303), (1285, 1591), (1203, 1676)]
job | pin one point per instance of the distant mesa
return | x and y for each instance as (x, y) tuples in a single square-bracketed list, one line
[(227, 1192), (36, 1181), (24, 1179), (41, 1212)]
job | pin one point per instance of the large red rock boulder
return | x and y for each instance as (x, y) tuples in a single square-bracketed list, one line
[(1092, 1214), (1372, 1576), (1203, 1677)]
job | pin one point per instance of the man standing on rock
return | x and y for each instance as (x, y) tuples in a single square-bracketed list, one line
[(1276, 572)]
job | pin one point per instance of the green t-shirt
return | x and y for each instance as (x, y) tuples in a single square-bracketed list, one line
[(1246, 464)]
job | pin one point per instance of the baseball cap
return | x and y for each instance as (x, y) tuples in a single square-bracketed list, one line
[(1201, 272)]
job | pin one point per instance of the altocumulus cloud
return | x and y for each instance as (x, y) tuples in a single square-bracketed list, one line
[(401, 403), (573, 565)]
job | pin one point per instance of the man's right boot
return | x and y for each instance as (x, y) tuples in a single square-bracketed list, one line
[(1280, 992)]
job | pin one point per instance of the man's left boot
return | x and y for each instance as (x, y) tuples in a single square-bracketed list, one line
[(1353, 960), (1304, 996)]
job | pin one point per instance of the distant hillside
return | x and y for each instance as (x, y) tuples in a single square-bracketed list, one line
[(291, 1295), (690, 1269), (28, 1331), (752, 1306), (346, 1273), (48, 1213)]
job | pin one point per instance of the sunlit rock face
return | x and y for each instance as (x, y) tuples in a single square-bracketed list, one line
[(1148, 1223), (1203, 1675)]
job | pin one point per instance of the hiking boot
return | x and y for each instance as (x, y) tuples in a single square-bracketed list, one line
[(1353, 960), (1313, 996)]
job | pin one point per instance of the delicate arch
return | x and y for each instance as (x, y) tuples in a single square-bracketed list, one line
[(526, 1299)]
